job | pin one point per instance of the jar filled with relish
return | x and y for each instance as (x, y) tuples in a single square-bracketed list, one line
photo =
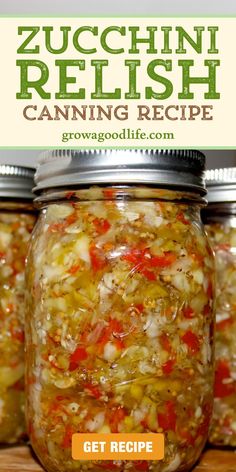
[(16, 223), (220, 220), (119, 306)]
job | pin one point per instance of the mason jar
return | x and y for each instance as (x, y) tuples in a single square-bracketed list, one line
[(220, 220), (16, 223), (119, 305)]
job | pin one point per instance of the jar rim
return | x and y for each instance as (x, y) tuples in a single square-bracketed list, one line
[(16, 182), (171, 168), (221, 185)]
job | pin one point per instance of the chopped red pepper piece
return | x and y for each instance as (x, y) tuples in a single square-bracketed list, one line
[(224, 324), (187, 436), (97, 257), (192, 341), (70, 219), (134, 256), (113, 332), (101, 225), (109, 465), (115, 326), (68, 437), (163, 261), (119, 344), (141, 465), (167, 420), (142, 261), (168, 366), (74, 269), (80, 354), (18, 335), (60, 227), (69, 195), (148, 274), (140, 307), (109, 193), (93, 390), (181, 217), (223, 373), (165, 342), (188, 312), (116, 416), (143, 256)]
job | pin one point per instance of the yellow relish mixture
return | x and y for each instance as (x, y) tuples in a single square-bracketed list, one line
[(223, 238), (15, 229), (119, 326)]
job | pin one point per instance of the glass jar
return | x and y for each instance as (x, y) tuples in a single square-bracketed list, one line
[(119, 317), (16, 224), (220, 220)]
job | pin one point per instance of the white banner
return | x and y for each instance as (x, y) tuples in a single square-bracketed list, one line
[(118, 82)]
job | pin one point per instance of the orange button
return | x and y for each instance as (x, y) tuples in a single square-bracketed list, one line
[(121, 446)]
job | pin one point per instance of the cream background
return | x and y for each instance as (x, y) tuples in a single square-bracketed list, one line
[(19, 132), (122, 7)]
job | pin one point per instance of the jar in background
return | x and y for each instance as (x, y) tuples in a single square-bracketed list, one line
[(16, 223), (119, 310), (220, 220)]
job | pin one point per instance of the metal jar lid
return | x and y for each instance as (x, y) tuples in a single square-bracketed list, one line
[(221, 185), (183, 169), (16, 182)]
